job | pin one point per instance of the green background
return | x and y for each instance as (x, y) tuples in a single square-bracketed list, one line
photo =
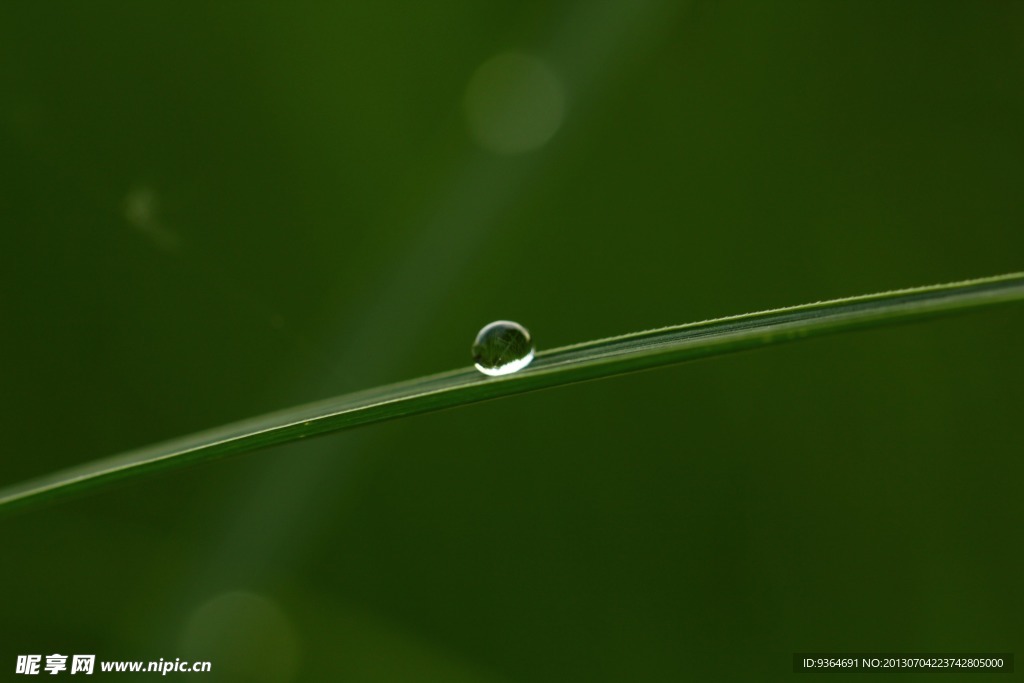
[(210, 211)]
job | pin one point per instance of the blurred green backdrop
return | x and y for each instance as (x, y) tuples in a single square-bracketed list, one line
[(212, 210)]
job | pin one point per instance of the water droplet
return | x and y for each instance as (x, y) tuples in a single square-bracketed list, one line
[(501, 348)]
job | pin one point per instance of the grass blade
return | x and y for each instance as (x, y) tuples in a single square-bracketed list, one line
[(589, 360)]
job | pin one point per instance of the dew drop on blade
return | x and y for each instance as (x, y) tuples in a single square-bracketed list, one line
[(501, 348)]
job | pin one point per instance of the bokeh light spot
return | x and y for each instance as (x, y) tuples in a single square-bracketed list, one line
[(514, 104), (245, 636)]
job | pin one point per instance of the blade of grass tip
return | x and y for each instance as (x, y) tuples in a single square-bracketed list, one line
[(568, 364)]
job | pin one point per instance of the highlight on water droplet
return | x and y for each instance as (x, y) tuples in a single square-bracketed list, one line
[(501, 348)]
